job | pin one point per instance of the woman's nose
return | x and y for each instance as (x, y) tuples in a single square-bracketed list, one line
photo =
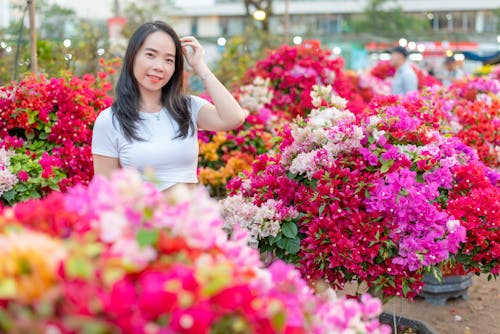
[(158, 65)]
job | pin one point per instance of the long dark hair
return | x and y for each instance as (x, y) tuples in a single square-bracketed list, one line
[(126, 105)]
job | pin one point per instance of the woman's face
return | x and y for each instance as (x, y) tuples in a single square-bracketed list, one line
[(154, 63)]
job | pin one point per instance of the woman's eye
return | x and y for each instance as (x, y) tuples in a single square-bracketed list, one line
[(170, 61), (149, 54)]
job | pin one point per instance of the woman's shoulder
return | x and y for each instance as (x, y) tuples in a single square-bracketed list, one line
[(105, 114), (105, 119), (197, 99), (196, 102)]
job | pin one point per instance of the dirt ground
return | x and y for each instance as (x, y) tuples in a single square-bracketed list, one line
[(480, 314)]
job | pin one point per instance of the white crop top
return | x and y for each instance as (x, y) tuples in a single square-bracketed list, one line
[(172, 160)]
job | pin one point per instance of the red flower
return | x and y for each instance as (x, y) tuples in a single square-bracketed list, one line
[(23, 176)]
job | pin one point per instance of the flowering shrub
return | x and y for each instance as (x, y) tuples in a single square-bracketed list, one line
[(7, 179), (294, 70), (277, 91), (470, 110), (349, 200), (225, 155), (490, 71), (47, 124), (255, 97), (139, 263), (475, 201)]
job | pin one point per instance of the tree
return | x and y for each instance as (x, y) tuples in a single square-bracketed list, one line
[(136, 15), (56, 23), (384, 18), (263, 5)]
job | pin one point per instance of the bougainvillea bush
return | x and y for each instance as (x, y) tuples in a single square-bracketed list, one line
[(357, 200), (46, 125), (474, 116), (294, 70), (134, 261), (275, 91), (224, 155)]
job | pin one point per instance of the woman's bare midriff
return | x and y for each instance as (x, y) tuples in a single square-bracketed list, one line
[(179, 191)]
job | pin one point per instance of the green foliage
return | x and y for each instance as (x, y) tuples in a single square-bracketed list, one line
[(136, 14), (57, 23), (30, 163), (241, 53), (286, 244), (385, 19)]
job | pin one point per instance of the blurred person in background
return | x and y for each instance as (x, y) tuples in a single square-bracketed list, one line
[(451, 72), (405, 79)]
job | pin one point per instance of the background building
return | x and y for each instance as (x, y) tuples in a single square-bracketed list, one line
[(332, 21)]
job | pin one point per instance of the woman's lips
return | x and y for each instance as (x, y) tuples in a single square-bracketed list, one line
[(154, 78)]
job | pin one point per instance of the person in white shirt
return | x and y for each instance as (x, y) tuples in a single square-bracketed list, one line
[(451, 71), (405, 80), (152, 125)]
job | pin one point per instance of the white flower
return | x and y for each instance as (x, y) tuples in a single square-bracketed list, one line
[(112, 225), (7, 179), (452, 225), (374, 120), (253, 97), (316, 101), (358, 134), (320, 136), (304, 163), (377, 134), (338, 102), (455, 126), (130, 251), (319, 93)]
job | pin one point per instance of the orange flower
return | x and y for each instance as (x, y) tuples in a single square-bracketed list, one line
[(29, 264), (234, 167), (210, 176), (209, 151)]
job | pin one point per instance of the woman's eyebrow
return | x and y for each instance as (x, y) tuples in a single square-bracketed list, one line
[(168, 54)]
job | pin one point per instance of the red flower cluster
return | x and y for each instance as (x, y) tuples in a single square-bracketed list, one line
[(476, 203), (48, 123), (39, 216), (294, 70), (343, 240)]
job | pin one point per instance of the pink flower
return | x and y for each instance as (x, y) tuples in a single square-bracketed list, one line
[(23, 176)]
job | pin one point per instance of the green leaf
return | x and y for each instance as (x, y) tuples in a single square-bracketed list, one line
[(8, 288), (321, 209), (279, 320), (386, 164), (20, 187), (292, 246), (273, 240), (406, 289), (289, 229), (384, 169), (147, 237), (9, 195), (79, 268)]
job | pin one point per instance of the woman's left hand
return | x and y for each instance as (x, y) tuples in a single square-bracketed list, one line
[(194, 58)]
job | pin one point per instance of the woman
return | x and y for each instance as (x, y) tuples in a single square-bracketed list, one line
[(152, 125)]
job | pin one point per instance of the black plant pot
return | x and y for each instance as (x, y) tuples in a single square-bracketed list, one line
[(438, 293), (404, 325)]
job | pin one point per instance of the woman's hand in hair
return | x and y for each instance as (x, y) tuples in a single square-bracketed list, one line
[(193, 52)]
